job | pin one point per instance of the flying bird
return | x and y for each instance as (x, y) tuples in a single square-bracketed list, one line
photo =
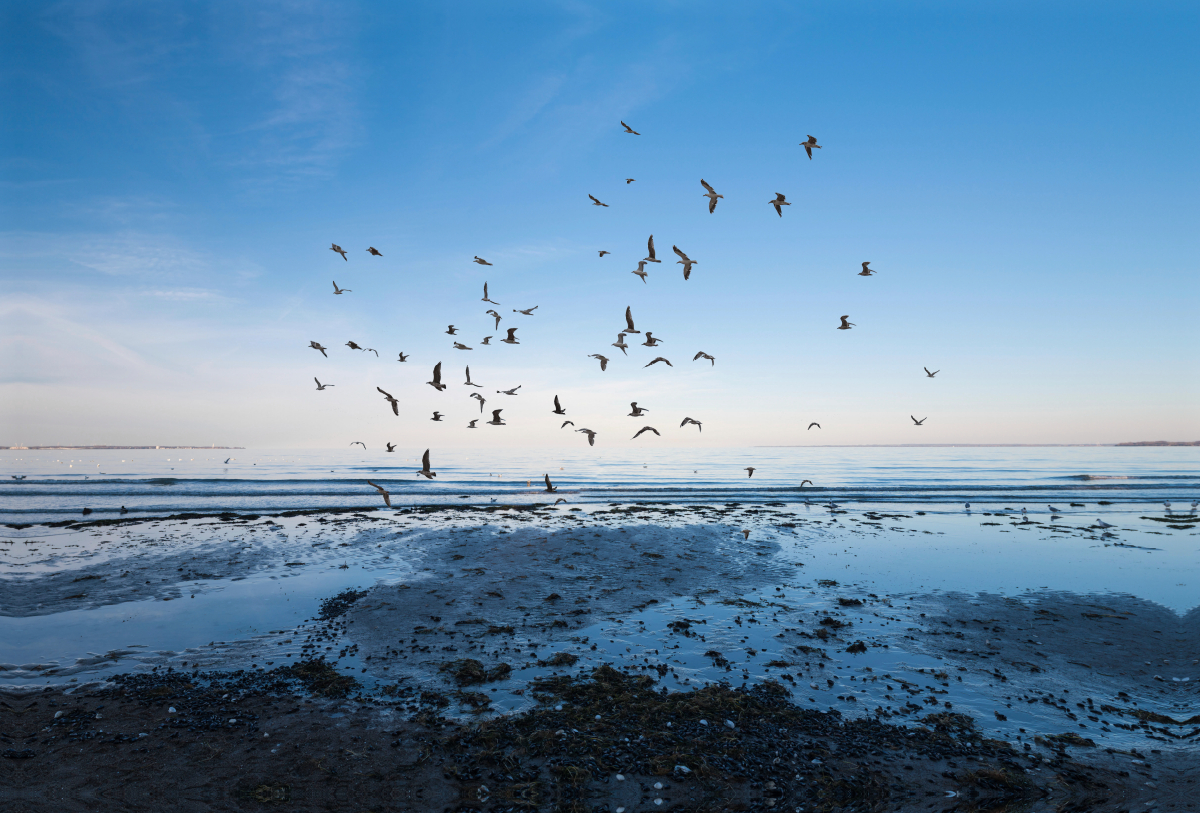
[(391, 447), (620, 343), (402, 357), (866, 272), (371, 350), (641, 270), (550, 489), (493, 313), (395, 404), (650, 248), (596, 202), (451, 330), (808, 145), (645, 429), (591, 436), (373, 251), (481, 261), (480, 399), (712, 196), (685, 261), (359, 442), (513, 391), (353, 346), (703, 355), (436, 383), (629, 129), (472, 425), (558, 410), (461, 346), (321, 386), (564, 424), (779, 202), (603, 361), (602, 252), (496, 421), (751, 470), (339, 250), (686, 421), (425, 471), (469, 382), (650, 340), (660, 358), (629, 321), (629, 181), (486, 340), (437, 416), (512, 338), (637, 410), (814, 423), (338, 291), (383, 492), (527, 311), (920, 422), (485, 294), (846, 325), (929, 374), (317, 346)]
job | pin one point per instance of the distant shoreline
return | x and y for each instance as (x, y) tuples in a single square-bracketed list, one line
[(92, 448), (972, 445)]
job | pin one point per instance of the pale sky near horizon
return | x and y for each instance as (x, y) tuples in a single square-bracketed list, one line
[(1022, 175)]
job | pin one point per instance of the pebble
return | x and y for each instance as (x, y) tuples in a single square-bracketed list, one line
[(702, 722), (658, 786), (683, 768), (729, 724), (658, 801), (620, 777), (58, 714), (171, 710)]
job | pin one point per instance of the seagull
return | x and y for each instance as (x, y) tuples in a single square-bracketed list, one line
[(337, 291), (480, 399), (629, 129), (485, 294), (395, 404), (808, 145), (802, 482), (353, 346), (564, 424), (461, 346), (493, 313), (316, 346), (373, 251), (620, 343), (22, 476), (383, 492), (596, 202), (513, 391), (527, 311), (645, 429), (651, 341), (780, 200), (321, 386), (1167, 506), (685, 261), (437, 416), (590, 435), (512, 338), (650, 248), (920, 422), (402, 357), (436, 383), (686, 421), (1102, 524), (124, 510), (929, 374), (1053, 510), (866, 272), (391, 447), (967, 506), (339, 250), (360, 443), (660, 358), (603, 361), (751, 470), (371, 350), (703, 355), (629, 181), (429, 475), (629, 321), (602, 252), (558, 410), (814, 423), (712, 196), (451, 330), (560, 499), (469, 382), (641, 270), (495, 421), (550, 489), (846, 325), (481, 261), (637, 410), (472, 425)]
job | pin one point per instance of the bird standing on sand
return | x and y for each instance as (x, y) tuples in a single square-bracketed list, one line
[(620, 343), (640, 270), (338, 291), (383, 492), (929, 374), (591, 436), (660, 358), (650, 248), (814, 423), (496, 420), (485, 294), (629, 129), (1053, 510), (920, 422), (779, 202), (751, 470), (321, 386), (436, 383), (338, 249), (469, 382), (550, 489), (686, 421), (703, 355), (373, 251), (596, 202), (846, 324), (512, 338), (712, 196), (809, 145), (1102, 524), (629, 321), (645, 429), (685, 261), (603, 361), (558, 410), (480, 260), (480, 399), (395, 404), (637, 411), (425, 470), (317, 346)]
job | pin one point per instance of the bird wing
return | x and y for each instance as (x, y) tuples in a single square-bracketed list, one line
[(712, 205), (556, 404), (706, 186), (437, 373), (808, 149), (682, 256), (629, 318), (511, 331), (548, 486), (496, 414), (385, 394), (650, 246), (425, 460), (564, 423)]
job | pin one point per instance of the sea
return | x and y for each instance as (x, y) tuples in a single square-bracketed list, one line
[(39, 486)]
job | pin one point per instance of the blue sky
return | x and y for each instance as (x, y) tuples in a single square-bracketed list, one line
[(1022, 175)]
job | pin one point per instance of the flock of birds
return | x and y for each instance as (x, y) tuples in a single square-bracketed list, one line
[(778, 202)]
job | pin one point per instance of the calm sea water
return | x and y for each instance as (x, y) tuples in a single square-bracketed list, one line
[(59, 484)]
